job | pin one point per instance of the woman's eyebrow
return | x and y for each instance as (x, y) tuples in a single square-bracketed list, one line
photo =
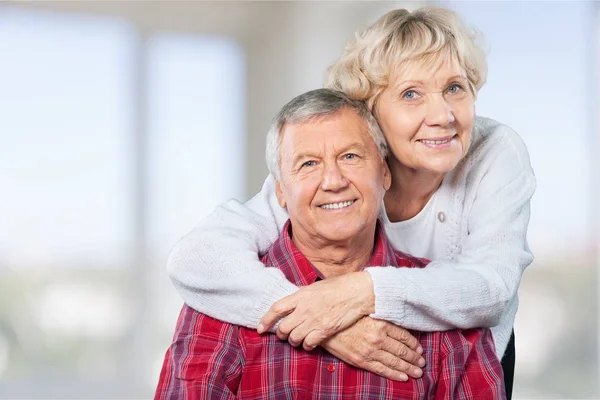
[(457, 77), (422, 83), (409, 82)]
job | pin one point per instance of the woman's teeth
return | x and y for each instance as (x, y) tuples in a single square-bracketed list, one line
[(332, 206), (426, 141)]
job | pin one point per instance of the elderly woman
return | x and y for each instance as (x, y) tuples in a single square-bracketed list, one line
[(460, 194)]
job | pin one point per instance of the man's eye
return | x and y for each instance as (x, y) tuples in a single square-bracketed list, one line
[(350, 156), (310, 163)]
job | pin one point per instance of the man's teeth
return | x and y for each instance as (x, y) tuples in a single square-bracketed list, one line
[(333, 206), (436, 141)]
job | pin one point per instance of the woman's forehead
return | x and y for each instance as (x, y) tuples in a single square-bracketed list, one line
[(427, 71)]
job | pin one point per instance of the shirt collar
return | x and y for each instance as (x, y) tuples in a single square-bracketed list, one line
[(285, 256)]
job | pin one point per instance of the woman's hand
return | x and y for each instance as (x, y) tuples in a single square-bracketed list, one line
[(318, 311), (379, 347)]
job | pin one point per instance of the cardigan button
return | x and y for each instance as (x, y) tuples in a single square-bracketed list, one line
[(441, 217)]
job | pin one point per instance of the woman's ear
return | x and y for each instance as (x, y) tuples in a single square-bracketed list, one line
[(279, 194)]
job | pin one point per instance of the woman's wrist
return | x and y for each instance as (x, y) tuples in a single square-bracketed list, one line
[(367, 293)]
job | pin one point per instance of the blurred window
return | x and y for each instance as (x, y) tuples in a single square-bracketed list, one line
[(65, 128), (196, 132), (74, 124), (196, 153)]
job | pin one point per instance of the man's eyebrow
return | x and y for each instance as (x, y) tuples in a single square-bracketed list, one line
[(354, 145), (302, 155), (310, 154)]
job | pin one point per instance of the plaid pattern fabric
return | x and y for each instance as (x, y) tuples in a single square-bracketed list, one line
[(210, 359)]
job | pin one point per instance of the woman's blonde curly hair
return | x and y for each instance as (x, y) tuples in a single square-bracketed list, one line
[(428, 35)]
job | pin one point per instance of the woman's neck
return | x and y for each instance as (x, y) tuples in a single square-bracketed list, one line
[(410, 191), (338, 258)]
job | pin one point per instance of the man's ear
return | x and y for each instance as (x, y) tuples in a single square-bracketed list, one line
[(279, 194), (387, 176)]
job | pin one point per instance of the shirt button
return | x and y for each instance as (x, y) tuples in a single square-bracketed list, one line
[(441, 217), (331, 368)]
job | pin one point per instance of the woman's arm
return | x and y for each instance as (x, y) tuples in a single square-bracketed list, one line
[(217, 271), (472, 291), (216, 267), (475, 289)]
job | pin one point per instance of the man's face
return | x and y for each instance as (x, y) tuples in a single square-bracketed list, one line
[(332, 177)]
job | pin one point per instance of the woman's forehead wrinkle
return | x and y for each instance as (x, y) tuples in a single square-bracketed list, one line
[(428, 79)]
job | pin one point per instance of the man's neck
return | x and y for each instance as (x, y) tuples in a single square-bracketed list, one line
[(334, 259)]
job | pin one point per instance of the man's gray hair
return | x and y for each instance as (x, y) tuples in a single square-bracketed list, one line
[(313, 105)]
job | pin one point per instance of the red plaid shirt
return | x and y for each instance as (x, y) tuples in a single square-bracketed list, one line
[(210, 359)]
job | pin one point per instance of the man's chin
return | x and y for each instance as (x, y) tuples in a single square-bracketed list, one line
[(340, 233)]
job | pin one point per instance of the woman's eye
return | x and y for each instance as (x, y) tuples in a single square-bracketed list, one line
[(409, 95), (309, 163), (455, 88)]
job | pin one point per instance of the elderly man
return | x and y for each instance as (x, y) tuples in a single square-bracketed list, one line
[(327, 155)]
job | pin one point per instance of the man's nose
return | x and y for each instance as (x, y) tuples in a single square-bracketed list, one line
[(439, 111), (333, 178)]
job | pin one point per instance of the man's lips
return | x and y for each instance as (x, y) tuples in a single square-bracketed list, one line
[(337, 205)]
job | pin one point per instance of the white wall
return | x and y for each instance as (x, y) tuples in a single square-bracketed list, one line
[(288, 45)]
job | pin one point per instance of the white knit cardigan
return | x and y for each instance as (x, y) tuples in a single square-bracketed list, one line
[(485, 200)]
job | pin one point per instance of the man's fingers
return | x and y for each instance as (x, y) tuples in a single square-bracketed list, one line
[(394, 362), (402, 335), (277, 311), (400, 350)]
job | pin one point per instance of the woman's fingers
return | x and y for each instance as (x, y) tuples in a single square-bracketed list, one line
[(384, 370), (367, 345), (405, 353), (286, 326), (278, 310), (292, 330), (404, 362), (313, 339), (325, 307), (402, 335)]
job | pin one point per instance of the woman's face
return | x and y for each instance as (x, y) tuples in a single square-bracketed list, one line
[(427, 117)]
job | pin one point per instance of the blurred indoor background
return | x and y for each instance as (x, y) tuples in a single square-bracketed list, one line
[(123, 123)]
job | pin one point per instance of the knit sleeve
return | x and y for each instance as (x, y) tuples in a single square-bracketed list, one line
[(216, 268), (474, 289)]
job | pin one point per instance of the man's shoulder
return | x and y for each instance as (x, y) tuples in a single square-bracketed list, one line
[(276, 253), (409, 261), (193, 322)]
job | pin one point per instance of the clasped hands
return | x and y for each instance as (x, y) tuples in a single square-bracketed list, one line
[(334, 313)]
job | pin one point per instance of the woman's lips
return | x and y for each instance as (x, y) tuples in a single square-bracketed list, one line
[(438, 143)]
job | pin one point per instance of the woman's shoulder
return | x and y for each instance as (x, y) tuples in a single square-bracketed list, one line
[(497, 157), (494, 141)]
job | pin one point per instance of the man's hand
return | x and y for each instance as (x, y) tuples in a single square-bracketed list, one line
[(379, 347), (318, 311)]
